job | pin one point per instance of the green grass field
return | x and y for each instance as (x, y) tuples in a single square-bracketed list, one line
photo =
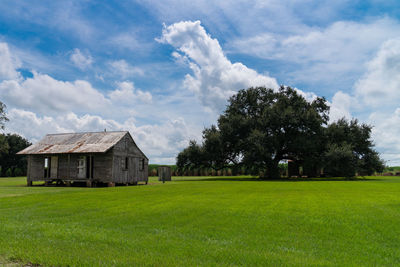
[(195, 221)]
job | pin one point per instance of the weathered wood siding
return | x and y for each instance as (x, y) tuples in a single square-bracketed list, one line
[(102, 167), (28, 161), (68, 167), (67, 171), (36, 167), (126, 148)]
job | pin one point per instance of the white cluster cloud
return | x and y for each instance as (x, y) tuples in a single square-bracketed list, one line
[(341, 106), (35, 127), (309, 96), (124, 69), (126, 40), (8, 64), (163, 141), (386, 134), (81, 60), (44, 94), (127, 94), (381, 83), (214, 78)]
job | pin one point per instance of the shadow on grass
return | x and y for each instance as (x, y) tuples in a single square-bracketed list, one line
[(83, 185), (72, 185), (284, 179)]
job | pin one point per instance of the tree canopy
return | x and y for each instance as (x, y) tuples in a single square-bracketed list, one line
[(350, 149), (11, 164), (260, 127), (3, 117)]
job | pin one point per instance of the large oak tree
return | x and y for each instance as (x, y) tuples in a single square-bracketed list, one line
[(266, 126), (260, 127)]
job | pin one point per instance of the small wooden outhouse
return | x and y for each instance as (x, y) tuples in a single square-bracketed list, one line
[(164, 173), (91, 157)]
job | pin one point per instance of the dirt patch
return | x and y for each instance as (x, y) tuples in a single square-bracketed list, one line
[(16, 263)]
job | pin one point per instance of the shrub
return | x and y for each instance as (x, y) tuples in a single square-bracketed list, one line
[(18, 172), (9, 172), (340, 161)]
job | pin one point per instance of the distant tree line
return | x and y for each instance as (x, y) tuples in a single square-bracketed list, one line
[(11, 164), (261, 127), (205, 171)]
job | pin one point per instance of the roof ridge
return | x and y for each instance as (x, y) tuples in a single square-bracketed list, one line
[(60, 143), (89, 132)]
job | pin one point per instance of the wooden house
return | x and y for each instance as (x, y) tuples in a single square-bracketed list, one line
[(91, 157)]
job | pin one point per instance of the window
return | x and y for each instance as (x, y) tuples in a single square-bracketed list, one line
[(126, 163), (141, 164), (46, 167), (91, 166), (82, 162)]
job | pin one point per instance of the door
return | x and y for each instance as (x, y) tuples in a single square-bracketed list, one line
[(54, 167), (82, 167)]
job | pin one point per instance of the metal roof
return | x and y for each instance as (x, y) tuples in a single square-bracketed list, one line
[(93, 142)]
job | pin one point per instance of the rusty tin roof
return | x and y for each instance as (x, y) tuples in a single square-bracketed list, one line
[(91, 142)]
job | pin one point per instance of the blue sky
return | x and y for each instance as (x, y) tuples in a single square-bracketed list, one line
[(164, 69)]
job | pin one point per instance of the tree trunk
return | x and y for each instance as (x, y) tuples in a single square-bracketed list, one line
[(273, 170)]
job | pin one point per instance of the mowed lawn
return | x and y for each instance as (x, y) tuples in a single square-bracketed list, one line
[(203, 221)]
